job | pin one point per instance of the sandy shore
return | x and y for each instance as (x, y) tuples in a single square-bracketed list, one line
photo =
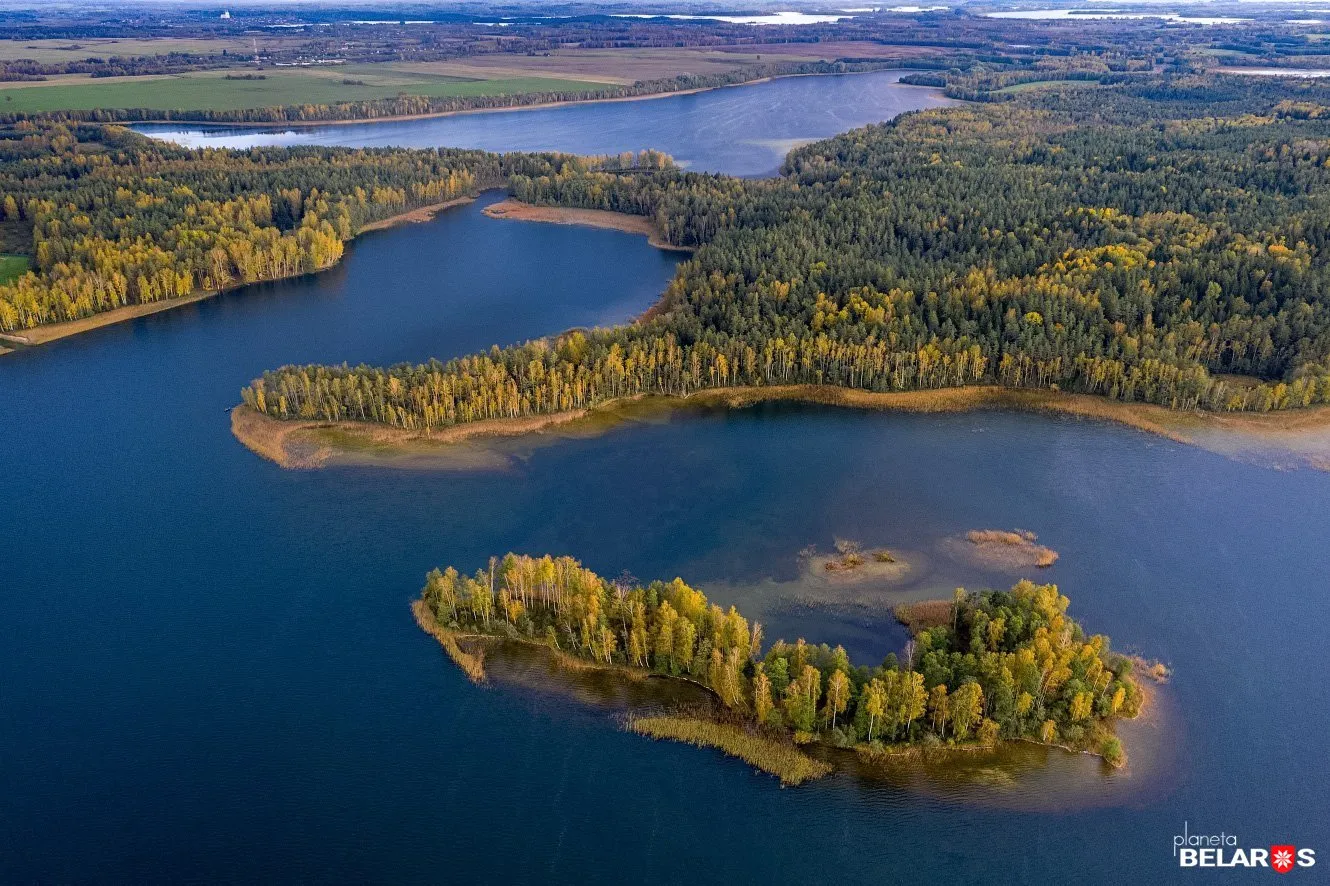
[(49, 332), (1295, 436), (303, 445), (592, 218), (1192, 426), (40, 335), (420, 214)]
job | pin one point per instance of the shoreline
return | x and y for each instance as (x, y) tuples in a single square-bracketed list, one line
[(297, 444), (417, 215), (516, 210), (541, 106), (49, 332), (776, 755), (306, 445)]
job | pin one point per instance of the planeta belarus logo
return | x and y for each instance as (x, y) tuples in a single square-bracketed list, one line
[(1225, 850), (1282, 858)]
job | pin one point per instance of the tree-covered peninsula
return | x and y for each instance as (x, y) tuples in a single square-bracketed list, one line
[(991, 666), (1120, 241), (112, 219)]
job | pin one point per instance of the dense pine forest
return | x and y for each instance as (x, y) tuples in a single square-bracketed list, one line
[(996, 665), (1118, 241), (114, 219)]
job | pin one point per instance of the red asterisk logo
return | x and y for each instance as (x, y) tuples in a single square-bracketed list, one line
[(1281, 858)]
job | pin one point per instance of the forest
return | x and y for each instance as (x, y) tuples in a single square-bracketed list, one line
[(114, 219), (1120, 241), (996, 665)]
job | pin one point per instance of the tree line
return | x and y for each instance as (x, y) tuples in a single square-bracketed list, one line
[(1005, 664)]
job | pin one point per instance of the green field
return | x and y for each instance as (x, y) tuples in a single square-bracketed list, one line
[(12, 266), (210, 90)]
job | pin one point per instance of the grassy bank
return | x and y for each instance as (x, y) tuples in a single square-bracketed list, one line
[(778, 758)]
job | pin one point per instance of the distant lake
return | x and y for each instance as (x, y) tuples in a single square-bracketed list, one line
[(768, 18), (1074, 14), (1302, 73), (210, 672), (740, 130)]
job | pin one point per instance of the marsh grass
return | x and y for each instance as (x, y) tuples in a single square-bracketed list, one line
[(924, 614), (778, 758), (472, 664), (1019, 547)]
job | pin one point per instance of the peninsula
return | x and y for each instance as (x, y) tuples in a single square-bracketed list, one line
[(924, 263)]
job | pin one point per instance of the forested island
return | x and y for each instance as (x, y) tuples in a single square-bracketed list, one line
[(981, 668), (1127, 243)]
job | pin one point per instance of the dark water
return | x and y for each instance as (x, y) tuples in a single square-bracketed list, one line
[(209, 670), (744, 130)]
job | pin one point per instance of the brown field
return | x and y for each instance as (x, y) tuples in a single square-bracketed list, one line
[(55, 51), (625, 66), (830, 50), (618, 66)]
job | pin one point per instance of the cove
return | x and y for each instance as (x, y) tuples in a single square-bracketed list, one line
[(740, 130), (211, 671)]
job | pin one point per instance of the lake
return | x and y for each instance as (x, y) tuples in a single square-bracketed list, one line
[(1092, 15), (740, 130), (210, 671), (1301, 73)]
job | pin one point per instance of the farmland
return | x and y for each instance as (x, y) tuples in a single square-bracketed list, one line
[(479, 74), (212, 90), (625, 66)]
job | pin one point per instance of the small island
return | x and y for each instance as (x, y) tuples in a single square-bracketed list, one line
[(981, 668), (999, 548)]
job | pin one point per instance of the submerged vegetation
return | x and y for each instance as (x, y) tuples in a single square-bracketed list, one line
[(986, 667), (1016, 548)]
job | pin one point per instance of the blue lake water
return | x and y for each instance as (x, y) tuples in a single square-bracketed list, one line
[(209, 670), (744, 130)]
